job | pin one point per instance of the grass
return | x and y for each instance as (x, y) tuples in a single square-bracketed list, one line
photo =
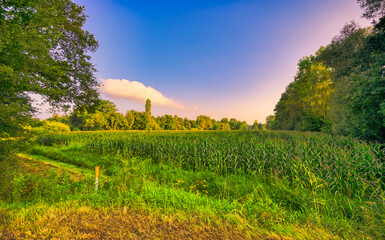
[(258, 184), (82, 222)]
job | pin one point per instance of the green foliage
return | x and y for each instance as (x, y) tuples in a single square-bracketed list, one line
[(130, 119), (224, 126), (49, 127), (6, 149), (186, 124), (148, 107), (270, 122), (255, 125), (304, 104), (234, 124), (204, 122), (104, 115), (178, 123), (167, 122), (43, 50), (56, 127), (19, 185), (373, 9), (340, 89), (359, 82), (97, 121), (243, 126), (63, 119)]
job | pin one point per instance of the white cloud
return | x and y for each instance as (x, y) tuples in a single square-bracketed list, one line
[(136, 91)]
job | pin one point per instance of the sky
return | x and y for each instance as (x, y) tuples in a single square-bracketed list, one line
[(220, 58)]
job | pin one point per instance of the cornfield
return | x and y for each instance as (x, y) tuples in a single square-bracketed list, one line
[(312, 160)]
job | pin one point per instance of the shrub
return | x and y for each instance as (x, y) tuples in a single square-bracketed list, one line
[(50, 127)]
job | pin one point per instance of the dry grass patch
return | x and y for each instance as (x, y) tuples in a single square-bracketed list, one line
[(88, 223)]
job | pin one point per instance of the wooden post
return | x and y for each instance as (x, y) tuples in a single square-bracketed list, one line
[(96, 177)]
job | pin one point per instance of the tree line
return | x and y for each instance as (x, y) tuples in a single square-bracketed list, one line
[(341, 88), (105, 116)]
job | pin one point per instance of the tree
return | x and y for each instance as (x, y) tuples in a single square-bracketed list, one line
[(148, 107), (78, 118), (255, 125), (86, 117), (168, 122), (204, 123), (234, 124), (224, 120), (178, 122), (215, 124), (186, 123), (105, 106), (141, 121), (340, 53), (63, 119), (154, 124), (373, 9), (304, 104), (43, 50), (357, 59), (356, 106), (243, 126), (96, 122), (270, 122), (223, 126), (130, 119)]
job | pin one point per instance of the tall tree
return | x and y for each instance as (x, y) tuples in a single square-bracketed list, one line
[(148, 107), (43, 50)]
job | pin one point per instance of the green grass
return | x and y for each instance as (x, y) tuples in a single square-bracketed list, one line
[(300, 185)]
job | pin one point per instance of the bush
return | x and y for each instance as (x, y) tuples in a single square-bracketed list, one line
[(50, 127)]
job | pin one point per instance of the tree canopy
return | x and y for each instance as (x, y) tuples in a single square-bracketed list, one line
[(43, 50), (341, 89), (373, 9), (105, 116), (303, 106)]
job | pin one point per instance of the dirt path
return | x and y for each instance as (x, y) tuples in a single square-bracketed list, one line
[(41, 167)]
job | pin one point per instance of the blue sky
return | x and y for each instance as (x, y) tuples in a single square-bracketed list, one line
[(217, 58)]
